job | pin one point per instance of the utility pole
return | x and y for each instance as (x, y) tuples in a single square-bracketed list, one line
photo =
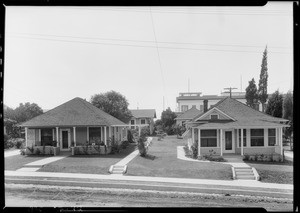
[(230, 89)]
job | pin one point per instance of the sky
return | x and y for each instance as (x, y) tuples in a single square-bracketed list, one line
[(148, 54)]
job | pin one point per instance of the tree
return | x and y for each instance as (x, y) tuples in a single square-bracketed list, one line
[(251, 94), (23, 112), (263, 81), (114, 104), (274, 106), (168, 121), (288, 114)]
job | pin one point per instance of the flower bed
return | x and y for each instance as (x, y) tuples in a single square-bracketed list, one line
[(41, 150), (263, 157), (91, 150)]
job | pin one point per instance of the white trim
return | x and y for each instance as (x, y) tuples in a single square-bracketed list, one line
[(221, 141), (209, 111), (242, 141), (105, 141), (199, 142), (26, 135), (74, 135), (57, 137), (88, 133), (69, 139), (40, 136)]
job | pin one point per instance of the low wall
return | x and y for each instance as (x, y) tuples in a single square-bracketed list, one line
[(42, 150), (259, 150), (205, 150), (90, 150)]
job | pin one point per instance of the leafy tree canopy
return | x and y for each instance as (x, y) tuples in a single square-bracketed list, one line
[(23, 112), (114, 104), (168, 118), (274, 106), (263, 80), (251, 94)]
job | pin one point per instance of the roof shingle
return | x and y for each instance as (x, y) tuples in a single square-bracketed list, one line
[(143, 113), (76, 112)]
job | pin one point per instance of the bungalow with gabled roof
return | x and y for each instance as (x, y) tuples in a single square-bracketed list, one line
[(187, 116), (226, 124), (142, 117), (73, 123)]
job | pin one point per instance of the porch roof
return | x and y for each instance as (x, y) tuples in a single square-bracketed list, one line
[(239, 124), (76, 112)]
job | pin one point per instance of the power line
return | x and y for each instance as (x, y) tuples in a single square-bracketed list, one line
[(147, 41), (189, 13), (130, 45)]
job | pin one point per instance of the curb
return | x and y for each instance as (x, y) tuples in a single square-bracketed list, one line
[(256, 175)]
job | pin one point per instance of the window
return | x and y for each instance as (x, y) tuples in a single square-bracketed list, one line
[(132, 122), (214, 117), (46, 136), (208, 138), (244, 138), (184, 108), (95, 134), (143, 121), (271, 137), (257, 137)]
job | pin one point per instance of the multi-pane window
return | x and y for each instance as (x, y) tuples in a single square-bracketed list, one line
[(214, 117), (184, 108), (132, 123), (271, 137), (244, 137), (143, 121), (46, 136), (209, 138), (95, 134), (257, 137)]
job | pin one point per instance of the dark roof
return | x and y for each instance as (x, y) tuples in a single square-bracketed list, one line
[(76, 112), (243, 114), (143, 113), (189, 114)]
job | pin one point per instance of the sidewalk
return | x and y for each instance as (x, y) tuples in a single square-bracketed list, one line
[(11, 153), (243, 183)]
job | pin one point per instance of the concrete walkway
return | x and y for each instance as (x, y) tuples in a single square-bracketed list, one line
[(11, 153), (289, 154), (244, 183), (36, 165)]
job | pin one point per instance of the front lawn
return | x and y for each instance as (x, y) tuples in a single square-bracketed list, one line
[(18, 161), (271, 172), (162, 161), (89, 164)]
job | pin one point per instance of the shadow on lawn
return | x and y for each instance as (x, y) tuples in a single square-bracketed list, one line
[(149, 157)]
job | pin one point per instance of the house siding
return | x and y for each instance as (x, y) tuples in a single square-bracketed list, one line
[(259, 150), (81, 134), (215, 112), (205, 150), (30, 137)]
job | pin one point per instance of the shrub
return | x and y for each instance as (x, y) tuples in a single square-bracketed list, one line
[(141, 146), (31, 149), (37, 151), (22, 151), (194, 149), (124, 144), (246, 157)]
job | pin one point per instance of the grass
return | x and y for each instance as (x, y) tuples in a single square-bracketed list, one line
[(18, 161), (274, 172), (162, 161), (89, 164)]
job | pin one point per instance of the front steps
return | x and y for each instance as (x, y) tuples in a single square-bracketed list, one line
[(118, 169), (245, 173)]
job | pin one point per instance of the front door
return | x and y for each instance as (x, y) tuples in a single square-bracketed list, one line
[(228, 142), (65, 139)]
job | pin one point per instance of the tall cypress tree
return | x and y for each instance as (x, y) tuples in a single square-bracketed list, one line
[(251, 94), (263, 81)]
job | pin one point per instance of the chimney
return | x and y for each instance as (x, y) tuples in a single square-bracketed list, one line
[(205, 102)]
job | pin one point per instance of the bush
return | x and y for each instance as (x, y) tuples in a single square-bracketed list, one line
[(124, 144), (194, 149), (7, 142), (18, 142), (141, 146)]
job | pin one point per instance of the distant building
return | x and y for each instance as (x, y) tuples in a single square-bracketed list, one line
[(141, 117), (186, 116), (186, 101)]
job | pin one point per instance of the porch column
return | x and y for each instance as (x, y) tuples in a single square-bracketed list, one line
[(40, 136), (109, 132), (105, 141), (242, 142), (199, 142), (87, 133), (221, 141), (281, 148), (193, 135), (53, 135), (139, 130), (26, 129), (74, 134), (57, 137)]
